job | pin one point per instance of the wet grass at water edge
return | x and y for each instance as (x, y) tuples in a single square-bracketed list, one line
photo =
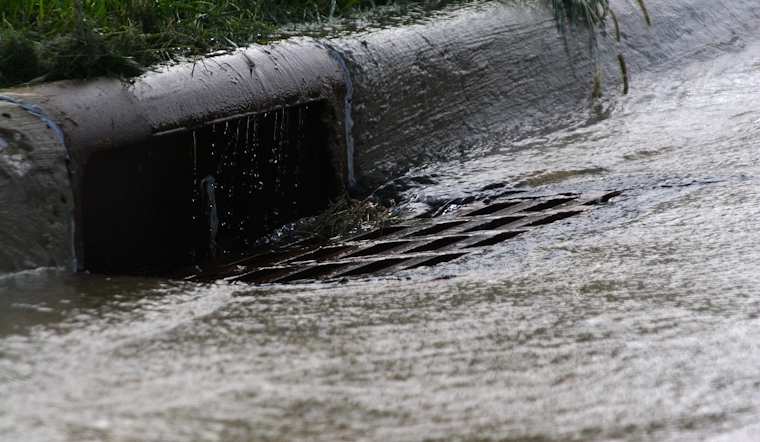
[(349, 216), (46, 40), (595, 13)]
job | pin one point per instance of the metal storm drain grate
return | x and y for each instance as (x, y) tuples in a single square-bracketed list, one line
[(409, 244)]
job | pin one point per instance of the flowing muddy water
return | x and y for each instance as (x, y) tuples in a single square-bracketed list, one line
[(638, 321)]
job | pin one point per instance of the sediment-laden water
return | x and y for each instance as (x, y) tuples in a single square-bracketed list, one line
[(638, 321)]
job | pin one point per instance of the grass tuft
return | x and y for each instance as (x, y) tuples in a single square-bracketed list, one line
[(594, 13), (348, 216)]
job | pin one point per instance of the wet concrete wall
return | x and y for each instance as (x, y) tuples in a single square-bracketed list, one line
[(449, 87), (682, 31), (433, 91), (36, 198)]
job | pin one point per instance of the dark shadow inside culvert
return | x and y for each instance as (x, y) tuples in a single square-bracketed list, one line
[(192, 195)]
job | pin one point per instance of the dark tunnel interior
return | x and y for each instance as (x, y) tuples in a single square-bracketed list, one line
[(190, 196)]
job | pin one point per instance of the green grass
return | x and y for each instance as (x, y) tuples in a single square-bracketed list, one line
[(45, 40)]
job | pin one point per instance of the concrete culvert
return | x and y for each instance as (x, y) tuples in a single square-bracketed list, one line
[(146, 197), (184, 165)]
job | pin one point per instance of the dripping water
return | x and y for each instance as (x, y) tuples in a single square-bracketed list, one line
[(205, 193), (208, 186)]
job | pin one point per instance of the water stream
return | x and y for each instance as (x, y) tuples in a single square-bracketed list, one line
[(639, 321)]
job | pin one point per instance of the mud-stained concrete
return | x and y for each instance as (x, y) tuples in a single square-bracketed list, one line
[(35, 192)]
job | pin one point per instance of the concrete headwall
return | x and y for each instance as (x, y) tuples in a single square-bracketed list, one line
[(438, 89), (104, 113)]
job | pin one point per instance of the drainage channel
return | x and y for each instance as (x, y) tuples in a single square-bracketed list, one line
[(409, 244)]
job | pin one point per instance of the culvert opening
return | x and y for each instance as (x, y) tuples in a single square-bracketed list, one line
[(193, 195)]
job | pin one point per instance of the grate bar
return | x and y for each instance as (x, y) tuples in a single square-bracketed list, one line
[(438, 244), (495, 239), (374, 267)]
